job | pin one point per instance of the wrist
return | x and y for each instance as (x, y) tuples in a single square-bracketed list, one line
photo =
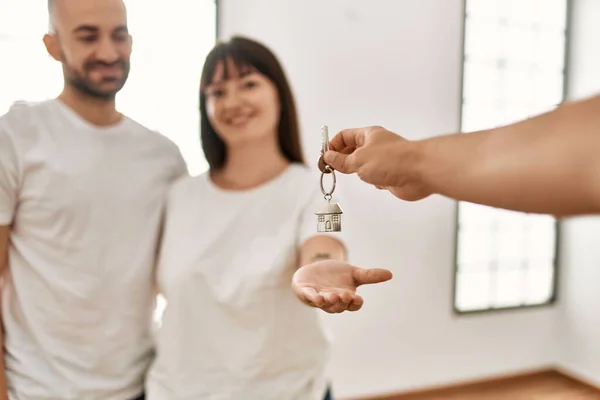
[(415, 162), (320, 257)]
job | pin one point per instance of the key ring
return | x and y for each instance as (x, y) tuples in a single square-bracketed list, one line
[(330, 171)]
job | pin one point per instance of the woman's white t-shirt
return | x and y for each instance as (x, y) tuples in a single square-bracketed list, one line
[(233, 328)]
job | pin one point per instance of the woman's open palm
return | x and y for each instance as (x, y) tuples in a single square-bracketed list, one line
[(331, 284)]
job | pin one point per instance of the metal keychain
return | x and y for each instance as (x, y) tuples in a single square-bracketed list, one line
[(329, 215)]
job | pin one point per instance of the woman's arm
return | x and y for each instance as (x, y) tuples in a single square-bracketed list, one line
[(321, 247)]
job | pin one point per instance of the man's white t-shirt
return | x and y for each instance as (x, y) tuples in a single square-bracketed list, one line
[(85, 207), (232, 328)]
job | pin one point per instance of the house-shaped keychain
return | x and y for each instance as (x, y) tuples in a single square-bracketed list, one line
[(329, 218)]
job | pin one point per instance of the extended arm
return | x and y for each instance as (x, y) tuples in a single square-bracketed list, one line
[(547, 164)]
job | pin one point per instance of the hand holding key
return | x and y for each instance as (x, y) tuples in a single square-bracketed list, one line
[(379, 157)]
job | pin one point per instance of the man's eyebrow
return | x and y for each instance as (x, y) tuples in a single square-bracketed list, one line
[(94, 29), (121, 29), (86, 28)]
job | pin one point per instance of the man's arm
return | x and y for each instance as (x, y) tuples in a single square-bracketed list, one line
[(10, 183), (546, 164), (4, 234)]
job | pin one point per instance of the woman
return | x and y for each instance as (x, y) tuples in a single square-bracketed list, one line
[(233, 329)]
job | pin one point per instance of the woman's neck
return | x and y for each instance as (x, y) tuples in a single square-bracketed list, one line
[(250, 166)]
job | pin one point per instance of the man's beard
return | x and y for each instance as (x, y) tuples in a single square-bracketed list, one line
[(81, 82)]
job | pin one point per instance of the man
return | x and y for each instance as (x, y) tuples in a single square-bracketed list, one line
[(81, 195), (547, 164)]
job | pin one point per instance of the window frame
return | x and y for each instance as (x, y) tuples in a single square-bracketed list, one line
[(557, 223)]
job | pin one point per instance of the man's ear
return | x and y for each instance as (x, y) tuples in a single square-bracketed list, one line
[(52, 46)]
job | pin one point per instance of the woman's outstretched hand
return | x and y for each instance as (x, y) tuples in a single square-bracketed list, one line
[(331, 284)]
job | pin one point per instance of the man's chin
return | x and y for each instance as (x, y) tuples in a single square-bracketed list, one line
[(108, 86), (106, 89), (108, 92), (106, 96), (99, 94)]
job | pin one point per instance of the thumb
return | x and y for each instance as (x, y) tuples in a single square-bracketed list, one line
[(339, 161), (363, 276)]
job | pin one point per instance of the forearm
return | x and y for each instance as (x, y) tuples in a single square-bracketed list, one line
[(546, 164), (321, 247)]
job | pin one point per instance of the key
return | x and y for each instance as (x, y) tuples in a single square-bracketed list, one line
[(324, 147), (329, 215)]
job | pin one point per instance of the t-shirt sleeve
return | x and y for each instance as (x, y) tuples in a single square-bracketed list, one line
[(181, 168), (308, 219), (9, 174), (177, 166)]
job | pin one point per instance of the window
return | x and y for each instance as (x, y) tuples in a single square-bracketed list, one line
[(169, 46), (513, 68)]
